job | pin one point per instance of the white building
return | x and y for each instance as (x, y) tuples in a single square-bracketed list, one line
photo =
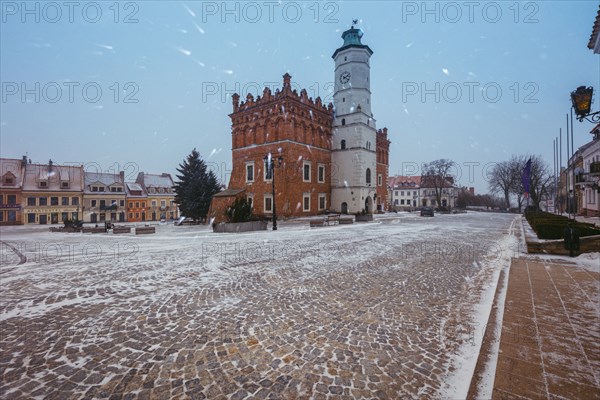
[(408, 192), (590, 177), (354, 181)]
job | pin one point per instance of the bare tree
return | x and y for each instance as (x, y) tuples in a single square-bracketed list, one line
[(438, 175), (502, 180), (540, 179)]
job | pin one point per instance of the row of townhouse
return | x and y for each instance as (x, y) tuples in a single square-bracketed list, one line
[(407, 192), (50, 194)]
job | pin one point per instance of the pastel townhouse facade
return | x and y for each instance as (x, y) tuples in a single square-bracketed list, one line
[(404, 192), (136, 201), (104, 197), (160, 194), (52, 193), (12, 173), (587, 179)]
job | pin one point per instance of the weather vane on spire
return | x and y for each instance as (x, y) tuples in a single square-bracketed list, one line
[(354, 22)]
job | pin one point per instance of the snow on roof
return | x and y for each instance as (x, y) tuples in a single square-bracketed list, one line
[(155, 180), (103, 178), (135, 190), (54, 175), (404, 181)]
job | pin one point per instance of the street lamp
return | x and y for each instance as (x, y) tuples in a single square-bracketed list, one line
[(270, 172), (582, 104)]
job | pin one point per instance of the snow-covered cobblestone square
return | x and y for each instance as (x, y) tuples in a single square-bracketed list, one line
[(390, 309)]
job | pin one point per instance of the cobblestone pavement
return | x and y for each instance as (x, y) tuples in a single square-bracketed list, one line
[(550, 342), (376, 310)]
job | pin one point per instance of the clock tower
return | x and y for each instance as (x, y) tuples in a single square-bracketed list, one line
[(354, 177)]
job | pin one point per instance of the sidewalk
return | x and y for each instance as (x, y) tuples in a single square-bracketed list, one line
[(550, 340)]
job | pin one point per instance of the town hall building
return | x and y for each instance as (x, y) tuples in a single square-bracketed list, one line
[(324, 157)]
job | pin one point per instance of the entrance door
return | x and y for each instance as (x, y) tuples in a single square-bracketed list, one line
[(153, 216), (54, 218), (143, 216), (344, 208), (368, 205), (93, 218), (43, 219)]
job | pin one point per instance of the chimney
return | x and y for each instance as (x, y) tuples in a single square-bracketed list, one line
[(50, 166), (24, 161), (122, 176)]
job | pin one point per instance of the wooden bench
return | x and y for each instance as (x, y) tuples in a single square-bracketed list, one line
[(145, 230), (316, 223), (93, 230), (121, 229), (329, 218)]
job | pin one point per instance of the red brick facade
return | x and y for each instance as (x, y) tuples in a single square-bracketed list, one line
[(297, 129), (382, 148)]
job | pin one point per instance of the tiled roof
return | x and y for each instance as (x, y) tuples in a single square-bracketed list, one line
[(101, 178), (595, 32)]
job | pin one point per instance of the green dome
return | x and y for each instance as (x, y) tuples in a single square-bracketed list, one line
[(352, 36)]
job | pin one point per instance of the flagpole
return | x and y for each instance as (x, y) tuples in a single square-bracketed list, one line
[(568, 173), (572, 154)]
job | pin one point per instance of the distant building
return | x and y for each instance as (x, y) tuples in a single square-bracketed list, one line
[(52, 193), (104, 197), (160, 195), (407, 192), (12, 173)]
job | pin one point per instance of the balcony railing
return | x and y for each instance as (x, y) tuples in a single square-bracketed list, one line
[(112, 207), (595, 168)]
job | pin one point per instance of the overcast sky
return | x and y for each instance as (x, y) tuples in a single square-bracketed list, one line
[(138, 85)]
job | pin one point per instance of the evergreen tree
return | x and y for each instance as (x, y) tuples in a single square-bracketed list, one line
[(195, 187)]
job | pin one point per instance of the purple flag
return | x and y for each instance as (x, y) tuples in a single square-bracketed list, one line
[(526, 177)]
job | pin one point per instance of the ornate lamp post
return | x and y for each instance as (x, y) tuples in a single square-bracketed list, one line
[(582, 104), (270, 173)]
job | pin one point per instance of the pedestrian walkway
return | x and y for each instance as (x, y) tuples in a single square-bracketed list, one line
[(550, 341)]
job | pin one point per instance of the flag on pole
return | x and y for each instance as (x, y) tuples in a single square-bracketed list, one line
[(526, 177)]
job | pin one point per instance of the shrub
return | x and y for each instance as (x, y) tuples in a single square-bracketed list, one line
[(240, 211), (551, 226)]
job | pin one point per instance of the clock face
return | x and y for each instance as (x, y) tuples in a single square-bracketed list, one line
[(345, 77)]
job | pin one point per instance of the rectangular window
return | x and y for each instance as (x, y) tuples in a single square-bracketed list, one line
[(31, 201), (250, 172), (31, 218), (321, 174), (130, 215), (322, 202), (268, 206), (306, 202), (102, 203), (43, 184), (64, 185), (64, 201), (137, 204), (43, 201), (402, 193), (102, 217), (94, 202), (131, 204), (122, 203), (74, 215), (402, 201), (53, 201), (153, 203), (379, 180), (64, 216), (306, 172), (251, 201), (267, 173), (163, 203), (11, 199), (74, 201), (396, 193), (137, 215)]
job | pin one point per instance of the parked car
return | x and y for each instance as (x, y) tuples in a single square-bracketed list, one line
[(427, 212)]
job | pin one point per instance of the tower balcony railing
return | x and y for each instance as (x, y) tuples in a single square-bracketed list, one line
[(595, 168)]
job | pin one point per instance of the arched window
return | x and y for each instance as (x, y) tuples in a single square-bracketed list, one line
[(343, 145), (343, 121), (368, 175)]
